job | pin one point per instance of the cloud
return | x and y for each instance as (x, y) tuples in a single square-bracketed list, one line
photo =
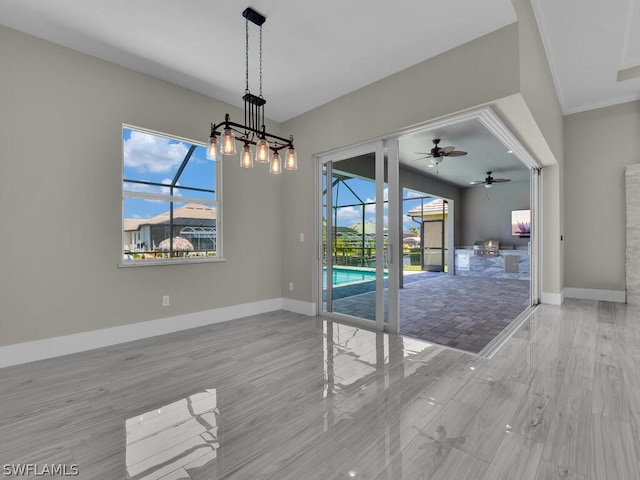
[(408, 193), (167, 191), (140, 188), (153, 189), (347, 214), (372, 207), (149, 153)]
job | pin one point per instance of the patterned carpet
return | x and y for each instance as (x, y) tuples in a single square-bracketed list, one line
[(460, 312)]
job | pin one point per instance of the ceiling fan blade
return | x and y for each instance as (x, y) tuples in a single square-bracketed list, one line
[(500, 180), (423, 157), (477, 182), (447, 150), (456, 153)]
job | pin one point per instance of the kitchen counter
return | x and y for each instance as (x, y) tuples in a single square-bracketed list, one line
[(470, 265)]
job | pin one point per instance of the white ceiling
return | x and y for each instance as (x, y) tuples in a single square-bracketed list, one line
[(315, 52), (587, 44)]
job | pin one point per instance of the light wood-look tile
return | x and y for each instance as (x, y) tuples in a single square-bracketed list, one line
[(607, 344), (612, 453), (568, 439), (493, 421), (608, 396), (549, 471), (460, 466), (300, 397), (475, 391), (517, 457), (533, 416)]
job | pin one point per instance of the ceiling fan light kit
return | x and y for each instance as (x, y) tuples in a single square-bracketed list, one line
[(436, 160), (489, 181), (437, 154), (253, 131)]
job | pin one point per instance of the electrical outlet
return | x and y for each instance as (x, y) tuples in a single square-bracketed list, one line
[(165, 300), (291, 286), (302, 237)]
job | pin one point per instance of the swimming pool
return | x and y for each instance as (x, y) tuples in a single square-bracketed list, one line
[(344, 276)]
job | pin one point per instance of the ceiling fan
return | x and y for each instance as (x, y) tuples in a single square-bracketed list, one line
[(489, 181), (437, 153)]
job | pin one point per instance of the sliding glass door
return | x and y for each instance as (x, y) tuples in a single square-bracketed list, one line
[(355, 257)]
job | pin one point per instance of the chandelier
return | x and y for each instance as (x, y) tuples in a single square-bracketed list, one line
[(224, 135)]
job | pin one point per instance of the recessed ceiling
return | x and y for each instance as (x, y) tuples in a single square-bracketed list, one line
[(314, 52), (593, 50), (484, 153)]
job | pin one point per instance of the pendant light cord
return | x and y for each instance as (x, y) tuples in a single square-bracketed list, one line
[(260, 61), (246, 56)]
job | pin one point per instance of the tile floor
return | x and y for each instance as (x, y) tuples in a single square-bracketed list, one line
[(459, 312), (281, 396)]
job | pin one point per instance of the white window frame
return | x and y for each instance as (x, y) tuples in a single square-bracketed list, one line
[(216, 204)]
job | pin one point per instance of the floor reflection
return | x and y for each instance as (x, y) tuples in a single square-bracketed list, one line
[(168, 442)]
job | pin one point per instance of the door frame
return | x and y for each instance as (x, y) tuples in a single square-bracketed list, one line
[(378, 148), (490, 120)]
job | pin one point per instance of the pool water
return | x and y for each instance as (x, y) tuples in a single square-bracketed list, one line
[(342, 276)]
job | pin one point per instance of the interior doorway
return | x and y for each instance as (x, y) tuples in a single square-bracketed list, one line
[(472, 195)]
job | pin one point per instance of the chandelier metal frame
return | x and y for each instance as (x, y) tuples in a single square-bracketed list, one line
[(253, 132)]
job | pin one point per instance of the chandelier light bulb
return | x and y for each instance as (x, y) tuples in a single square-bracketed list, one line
[(228, 142), (213, 148), (262, 151), (291, 162), (276, 164), (246, 160)]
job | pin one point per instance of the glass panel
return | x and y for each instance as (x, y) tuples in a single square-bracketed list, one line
[(153, 162), (155, 229), (349, 245), (385, 233), (433, 242)]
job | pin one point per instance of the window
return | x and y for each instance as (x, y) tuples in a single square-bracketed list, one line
[(171, 207)]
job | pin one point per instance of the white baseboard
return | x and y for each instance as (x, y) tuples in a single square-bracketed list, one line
[(552, 298), (79, 342), (298, 306), (595, 294)]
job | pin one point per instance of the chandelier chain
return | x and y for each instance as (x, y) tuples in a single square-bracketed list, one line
[(260, 60), (246, 56)]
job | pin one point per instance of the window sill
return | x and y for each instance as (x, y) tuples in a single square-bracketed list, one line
[(172, 261)]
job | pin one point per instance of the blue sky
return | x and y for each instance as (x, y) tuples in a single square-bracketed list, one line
[(154, 158)]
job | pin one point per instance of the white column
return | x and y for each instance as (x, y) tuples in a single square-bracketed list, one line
[(632, 181)]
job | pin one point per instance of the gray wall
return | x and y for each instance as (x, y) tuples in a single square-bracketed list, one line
[(539, 93), (486, 213), (599, 143), (60, 198)]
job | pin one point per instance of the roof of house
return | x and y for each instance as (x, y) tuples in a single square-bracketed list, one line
[(432, 208), (190, 211), (131, 224)]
